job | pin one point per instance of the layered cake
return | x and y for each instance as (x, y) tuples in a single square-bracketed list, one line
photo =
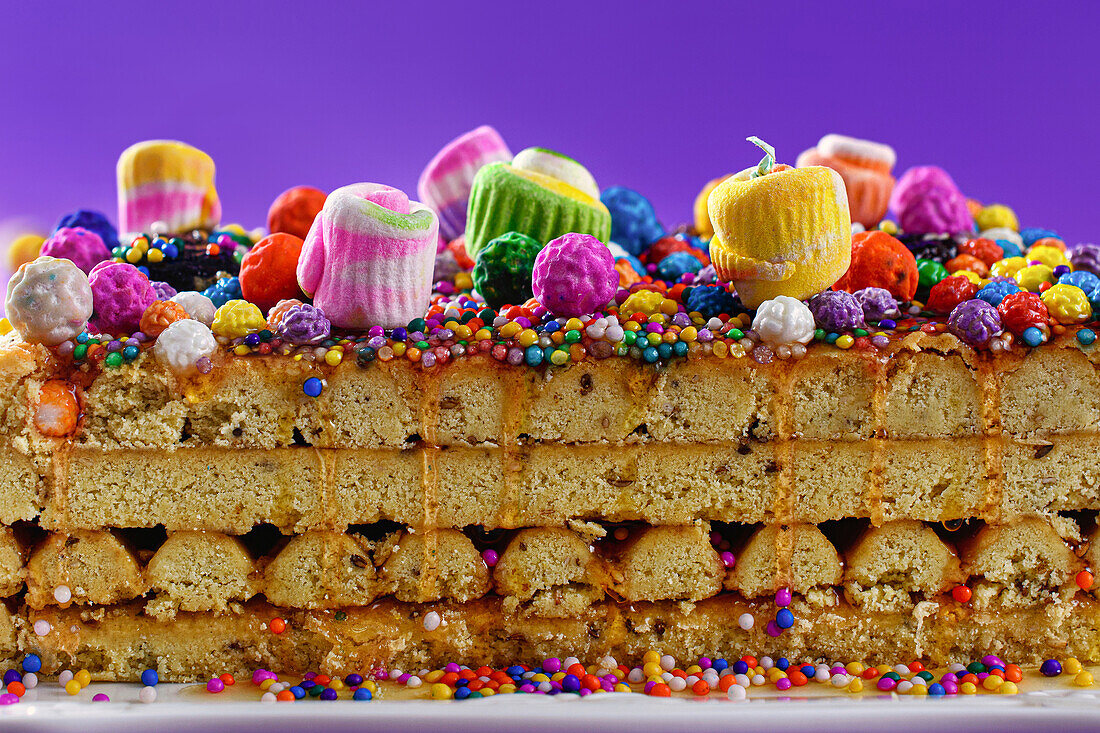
[(522, 420)]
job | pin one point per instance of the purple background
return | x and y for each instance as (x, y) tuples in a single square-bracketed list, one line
[(1004, 95)]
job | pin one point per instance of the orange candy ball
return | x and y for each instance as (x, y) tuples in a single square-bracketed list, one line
[(294, 210), (58, 410), (880, 261), (269, 271), (967, 262), (961, 594), (160, 315), (277, 626)]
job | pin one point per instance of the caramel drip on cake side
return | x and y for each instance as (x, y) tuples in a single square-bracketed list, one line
[(513, 414), (783, 509), (428, 388), (989, 383), (872, 497)]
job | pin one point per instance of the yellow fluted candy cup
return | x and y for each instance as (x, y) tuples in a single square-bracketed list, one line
[(780, 230)]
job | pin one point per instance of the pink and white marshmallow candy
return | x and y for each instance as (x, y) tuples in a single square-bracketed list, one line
[(368, 258)]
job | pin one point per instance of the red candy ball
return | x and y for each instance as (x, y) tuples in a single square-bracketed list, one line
[(294, 210), (269, 270), (949, 292), (985, 250), (665, 246), (880, 261), (1020, 311)]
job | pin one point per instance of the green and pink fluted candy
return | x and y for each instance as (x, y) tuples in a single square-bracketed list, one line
[(574, 275)]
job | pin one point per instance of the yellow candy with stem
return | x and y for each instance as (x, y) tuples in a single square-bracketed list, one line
[(780, 230)]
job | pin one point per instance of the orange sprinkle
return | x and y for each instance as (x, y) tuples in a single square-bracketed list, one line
[(277, 626)]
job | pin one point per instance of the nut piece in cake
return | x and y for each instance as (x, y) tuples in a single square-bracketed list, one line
[(552, 571), (668, 563), (87, 566), (322, 569), (1020, 564), (889, 564), (454, 567), (11, 564), (200, 571), (814, 563)]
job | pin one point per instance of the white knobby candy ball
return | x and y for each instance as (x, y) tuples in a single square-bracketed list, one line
[(1009, 235), (197, 305), (180, 346), (49, 301), (784, 320)]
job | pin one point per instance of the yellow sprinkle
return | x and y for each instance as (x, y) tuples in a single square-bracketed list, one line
[(333, 357), (5, 327), (969, 275), (855, 685), (992, 682), (72, 687), (689, 334), (888, 226), (463, 281), (434, 676), (441, 691), (918, 690), (694, 669), (527, 337), (669, 307), (267, 683), (652, 656), (968, 688), (620, 687), (574, 324), (370, 685), (242, 350), (463, 332), (510, 329), (1071, 665), (1008, 688), (482, 334), (775, 673), (452, 324), (154, 255), (133, 255), (557, 677), (845, 341), (487, 691), (1083, 678), (505, 689), (654, 339), (854, 668), (720, 349), (652, 669), (83, 677), (336, 683)]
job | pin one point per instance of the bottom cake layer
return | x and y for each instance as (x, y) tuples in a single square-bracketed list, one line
[(118, 643)]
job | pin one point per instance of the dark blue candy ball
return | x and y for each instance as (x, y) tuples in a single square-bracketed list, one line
[(93, 221), (671, 268), (634, 223), (711, 300), (149, 677)]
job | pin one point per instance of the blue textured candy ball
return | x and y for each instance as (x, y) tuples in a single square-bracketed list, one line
[(784, 619), (1031, 235), (224, 290), (363, 694), (353, 680), (93, 221), (634, 223), (1010, 248), (995, 292), (150, 678), (783, 663), (32, 663), (1032, 336), (313, 387), (1051, 668), (650, 354), (1086, 336), (711, 301), (1082, 279), (671, 268)]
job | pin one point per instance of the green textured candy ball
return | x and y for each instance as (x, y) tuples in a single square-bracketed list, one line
[(930, 272), (502, 273)]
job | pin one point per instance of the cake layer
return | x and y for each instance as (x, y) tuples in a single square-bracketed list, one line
[(557, 572), (924, 386), (547, 484), (118, 643)]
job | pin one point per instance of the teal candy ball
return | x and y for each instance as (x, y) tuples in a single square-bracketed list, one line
[(502, 273)]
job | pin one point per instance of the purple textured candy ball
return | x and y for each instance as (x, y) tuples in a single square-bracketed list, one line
[(163, 290), (877, 303), (927, 201), (1086, 257), (574, 275), (120, 295), (975, 322), (82, 247), (304, 324), (836, 310)]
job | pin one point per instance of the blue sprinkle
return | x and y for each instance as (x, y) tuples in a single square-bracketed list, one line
[(664, 350), (552, 326), (650, 354), (533, 355), (298, 692), (740, 667), (719, 664), (783, 663), (363, 694), (936, 689), (462, 693), (1086, 336), (1010, 248), (1032, 336), (150, 678), (312, 387), (32, 663), (1031, 235), (784, 619), (570, 683), (1082, 279)]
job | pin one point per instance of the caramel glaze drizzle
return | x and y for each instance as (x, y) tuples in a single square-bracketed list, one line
[(872, 498), (989, 384), (513, 408), (428, 388), (783, 440)]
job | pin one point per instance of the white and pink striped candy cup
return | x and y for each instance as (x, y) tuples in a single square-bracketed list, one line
[(368, 258), (445, 183)]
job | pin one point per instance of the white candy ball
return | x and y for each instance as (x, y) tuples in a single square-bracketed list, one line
[(148, 694), (182, 344), (1009, 235), (736, 692), (49, 301), (197, 305), (784, 320)]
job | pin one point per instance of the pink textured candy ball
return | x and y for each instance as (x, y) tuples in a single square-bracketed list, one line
[(120, 295), (574, 275), (927, 201), (82, 247)]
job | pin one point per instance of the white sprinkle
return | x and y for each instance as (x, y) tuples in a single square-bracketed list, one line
[(822, 674), (676, 684), (766, 662), (742, 679), (424, 672), (956, 667), (149, 694), (736, 693), (609, 662), (62, 594), (692, 679), (267, 697), (569, 662), (64, 677), (746, 621), (414, 681), (30, 680), (667, 676), (395, 673), (904, 686), (840, 680), (901, 669), (544, 687), (431, 621), (276, 687), (42, 627), (614, 334), (668, 662), (758, 680), (636, 675), (918, 680)]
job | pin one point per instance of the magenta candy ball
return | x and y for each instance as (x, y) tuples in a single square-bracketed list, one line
[(574, 275), (120, 295), (83, 248)]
